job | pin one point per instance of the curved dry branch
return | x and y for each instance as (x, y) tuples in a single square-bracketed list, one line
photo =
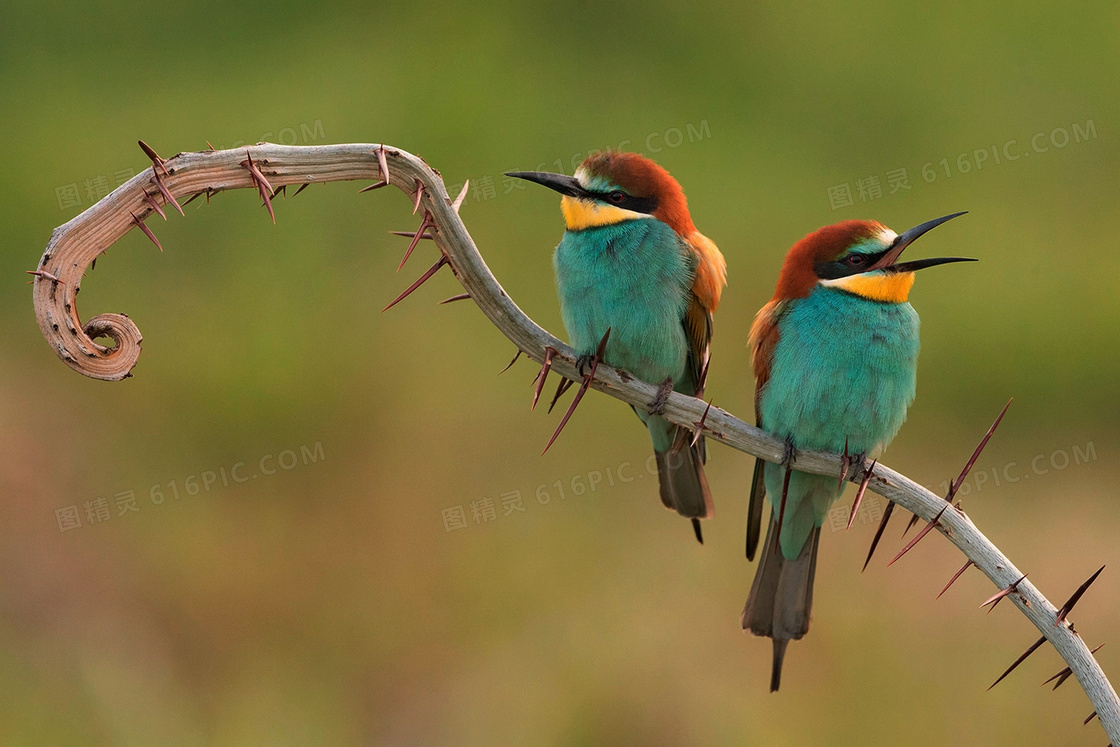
[(79, 242)]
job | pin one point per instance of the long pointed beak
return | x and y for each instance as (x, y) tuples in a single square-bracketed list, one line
[(565, 185), (906, 238)]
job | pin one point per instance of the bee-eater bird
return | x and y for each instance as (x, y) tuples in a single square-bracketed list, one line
[(631, 262), (835, 355)]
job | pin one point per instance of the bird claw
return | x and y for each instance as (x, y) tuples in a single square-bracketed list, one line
[(657, 406), (789, 454), (583, 387)]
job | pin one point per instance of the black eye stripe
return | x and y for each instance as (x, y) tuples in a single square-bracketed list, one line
[(618, 198)]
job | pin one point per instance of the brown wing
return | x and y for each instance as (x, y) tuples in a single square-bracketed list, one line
[(763, 338)]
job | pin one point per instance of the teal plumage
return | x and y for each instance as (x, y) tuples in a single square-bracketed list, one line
[(634, 277), (632, 262), (835, 354), (843, 372)]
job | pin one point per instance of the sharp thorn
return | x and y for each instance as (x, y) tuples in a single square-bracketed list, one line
[(510, 364), (420, 281), (697, 531), (996, 598), (424, 224), (460, 297), (845, 463), (419, 193), (956, 575), (859, 493), (372, 187), (1068, 606), (382, 165), (700, 428), (1017, 662), (541, 375), (155, 205), (147, 231), (458, 202), (258, 177), (879, 532), (918, 537), (167, 196), (1064, 675), (192, 198), (283, 191), (955, 485), (563, 386), (157, 162), (583, 387), (208, 145), (412, 235), (301, 188), (46, 275), (1089, 718), (910, 525)]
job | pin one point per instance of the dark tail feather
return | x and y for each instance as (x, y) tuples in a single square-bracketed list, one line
[(754, 513), (781, 600), (684, 488), (776, 667)]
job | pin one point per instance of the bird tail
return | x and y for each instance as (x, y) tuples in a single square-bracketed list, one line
[(781, 599), (684, 488)]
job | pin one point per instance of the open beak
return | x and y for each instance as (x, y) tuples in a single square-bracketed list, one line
[(565, 185), (905, 239)]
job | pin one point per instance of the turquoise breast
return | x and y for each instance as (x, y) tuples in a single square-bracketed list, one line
[(633, 277), (844, 368)]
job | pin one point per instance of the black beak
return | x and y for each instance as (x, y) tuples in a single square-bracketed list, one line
[(565, 185), (905, 239)]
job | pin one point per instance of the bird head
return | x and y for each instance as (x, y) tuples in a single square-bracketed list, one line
[(857, 256), (612, 186)]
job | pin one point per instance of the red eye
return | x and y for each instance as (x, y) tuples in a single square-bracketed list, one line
[(855, 260), (616, 197)]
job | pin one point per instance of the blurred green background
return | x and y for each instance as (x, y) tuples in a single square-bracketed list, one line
[(329, 603)]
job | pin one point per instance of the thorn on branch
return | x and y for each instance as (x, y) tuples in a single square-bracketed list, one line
[(263, 187), (996, 598), (1033, 647), (510, 364), (382, 165), (452, 299), (46, 276), (879, 533), (157, 162), (563, 386), (1065, 674), (301, 188), (163, 190), (956, 575), (845, 463), (541, 375), (699, 431), (420, 281), (155, 205), (424, 226), (918, 537), (1089, 718), (1068, 606), (862, 489), (458, 202), (582, 389), (147, 231), (956, 484), (419, 193)]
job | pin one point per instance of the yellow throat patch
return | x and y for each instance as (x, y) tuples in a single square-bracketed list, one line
[(581, 214), (892, 287)]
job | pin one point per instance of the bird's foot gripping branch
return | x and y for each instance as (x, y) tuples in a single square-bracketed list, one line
[(268, 169)]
